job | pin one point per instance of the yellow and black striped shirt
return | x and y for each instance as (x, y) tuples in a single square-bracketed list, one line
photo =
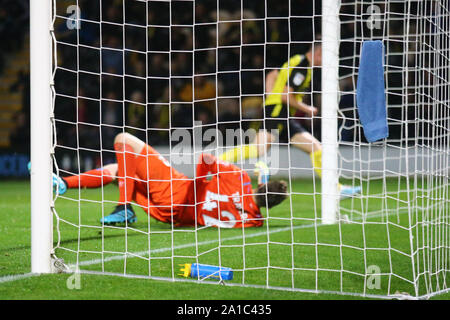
[(295, 73)]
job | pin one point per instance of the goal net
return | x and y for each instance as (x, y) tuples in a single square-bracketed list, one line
[(192, 77)]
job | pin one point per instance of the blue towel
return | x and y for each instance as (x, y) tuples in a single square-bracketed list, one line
[(370, 92)]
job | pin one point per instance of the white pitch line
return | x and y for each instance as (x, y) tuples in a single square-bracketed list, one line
[(184, 246), (10, 278), (15, 277), (190, 245)]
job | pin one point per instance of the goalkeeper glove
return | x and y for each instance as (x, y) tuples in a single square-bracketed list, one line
[(263, 170)]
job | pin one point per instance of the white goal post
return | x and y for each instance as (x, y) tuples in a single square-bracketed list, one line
[(330, 101), (41, 135), (158, 69)]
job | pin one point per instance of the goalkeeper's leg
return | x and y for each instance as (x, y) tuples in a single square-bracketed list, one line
[(147, 179), (127, 148), (92, 178), (89, 179)]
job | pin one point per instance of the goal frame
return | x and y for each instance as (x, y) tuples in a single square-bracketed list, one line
[(41, 135), (330, 98)]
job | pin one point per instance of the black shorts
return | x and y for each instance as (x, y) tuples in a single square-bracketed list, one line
[(287, 128)]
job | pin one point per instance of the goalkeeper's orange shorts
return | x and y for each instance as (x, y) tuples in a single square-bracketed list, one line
[(160, 189)]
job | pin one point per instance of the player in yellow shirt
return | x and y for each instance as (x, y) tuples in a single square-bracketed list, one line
[(284, 96)]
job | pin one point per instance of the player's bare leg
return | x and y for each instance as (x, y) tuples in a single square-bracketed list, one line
[(306, 142), (257, 148), (309, 144), (112, 169), (263, 141)]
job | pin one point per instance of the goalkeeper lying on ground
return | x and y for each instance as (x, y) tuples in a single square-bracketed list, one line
[(147, 179)]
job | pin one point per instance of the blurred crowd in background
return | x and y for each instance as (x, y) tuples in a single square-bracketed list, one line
[(135, 71), (13, 27), (151, 67)]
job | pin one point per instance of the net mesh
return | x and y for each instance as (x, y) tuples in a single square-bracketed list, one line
[(191, 76)]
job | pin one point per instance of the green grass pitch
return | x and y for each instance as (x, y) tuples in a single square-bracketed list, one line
[(326, 258)]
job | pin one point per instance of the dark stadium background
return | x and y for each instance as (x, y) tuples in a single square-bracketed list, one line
[(126, 75)]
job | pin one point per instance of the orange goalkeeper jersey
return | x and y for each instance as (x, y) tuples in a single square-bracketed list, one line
[(222, 197)]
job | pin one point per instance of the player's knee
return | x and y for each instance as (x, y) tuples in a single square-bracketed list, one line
[(265, 136), (111, 169), (270, 138), (123, 138), (317, 147)]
